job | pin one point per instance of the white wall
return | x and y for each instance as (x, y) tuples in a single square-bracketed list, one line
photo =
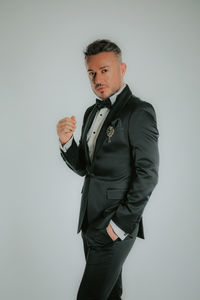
[(42, 80)]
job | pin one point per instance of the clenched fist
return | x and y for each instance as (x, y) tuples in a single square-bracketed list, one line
[(65, 129)]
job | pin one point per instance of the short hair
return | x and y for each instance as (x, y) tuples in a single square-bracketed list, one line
[(104, 45)]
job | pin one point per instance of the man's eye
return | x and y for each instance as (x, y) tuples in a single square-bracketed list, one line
[(105, 70)]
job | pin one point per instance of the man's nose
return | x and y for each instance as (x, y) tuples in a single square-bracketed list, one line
[(98, 78)]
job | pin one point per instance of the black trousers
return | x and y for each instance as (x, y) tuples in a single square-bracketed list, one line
[(102, 278)]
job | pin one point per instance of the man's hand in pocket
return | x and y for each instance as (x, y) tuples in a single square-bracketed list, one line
[(111, 232)]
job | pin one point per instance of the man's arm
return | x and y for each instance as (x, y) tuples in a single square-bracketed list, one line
[(143, 136), (73, 154)]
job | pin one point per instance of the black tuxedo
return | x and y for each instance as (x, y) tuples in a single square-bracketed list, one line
[(123, 173), (118, 183)]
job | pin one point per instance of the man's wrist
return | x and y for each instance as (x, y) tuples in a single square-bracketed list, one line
[(63, 143), (67, 145), (118, 231)]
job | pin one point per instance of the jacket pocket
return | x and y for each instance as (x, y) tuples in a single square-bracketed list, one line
[(114, 198)]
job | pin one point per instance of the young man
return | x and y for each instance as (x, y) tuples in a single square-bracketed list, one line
[(118, 155)]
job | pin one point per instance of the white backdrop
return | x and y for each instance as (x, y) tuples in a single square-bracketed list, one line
[(43, 79)]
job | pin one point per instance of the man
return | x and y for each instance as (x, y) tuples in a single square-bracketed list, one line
[(118, 155)]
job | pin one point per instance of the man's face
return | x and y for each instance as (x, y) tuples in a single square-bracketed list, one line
[(106, 73)]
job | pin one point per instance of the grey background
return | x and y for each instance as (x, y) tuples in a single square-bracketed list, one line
[(42, 80)]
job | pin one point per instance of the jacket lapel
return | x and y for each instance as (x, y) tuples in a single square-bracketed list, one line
[(118, 105), (85, 131)]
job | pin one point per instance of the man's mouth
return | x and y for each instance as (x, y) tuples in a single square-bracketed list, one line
[(101, 88)]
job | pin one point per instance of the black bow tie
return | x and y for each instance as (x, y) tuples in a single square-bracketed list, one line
[(103, 103)]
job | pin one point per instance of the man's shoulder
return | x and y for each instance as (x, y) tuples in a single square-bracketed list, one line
[(90, 108), (87, 112), (136, 104)]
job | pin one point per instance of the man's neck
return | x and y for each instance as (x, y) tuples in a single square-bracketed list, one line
[(114, 96), (119, 91)]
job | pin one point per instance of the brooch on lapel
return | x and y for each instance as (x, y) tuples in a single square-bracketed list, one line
[(110, 131)]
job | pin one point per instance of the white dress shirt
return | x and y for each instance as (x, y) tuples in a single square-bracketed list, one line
[(91, 141)]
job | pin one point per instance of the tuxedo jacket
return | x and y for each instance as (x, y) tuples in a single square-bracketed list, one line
[(124, 170)]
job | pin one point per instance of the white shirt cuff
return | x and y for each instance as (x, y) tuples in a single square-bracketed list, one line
[(121, 234), (66, 146)]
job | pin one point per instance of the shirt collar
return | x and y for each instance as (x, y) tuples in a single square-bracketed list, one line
[(113, 97)]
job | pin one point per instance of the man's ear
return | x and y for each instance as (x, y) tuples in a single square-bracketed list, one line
[(123, 66)]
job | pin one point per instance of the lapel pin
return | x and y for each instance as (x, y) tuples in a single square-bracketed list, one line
[(110, 131)]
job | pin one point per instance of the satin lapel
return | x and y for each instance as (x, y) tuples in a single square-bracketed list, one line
[(85, 131), (119, 103)]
